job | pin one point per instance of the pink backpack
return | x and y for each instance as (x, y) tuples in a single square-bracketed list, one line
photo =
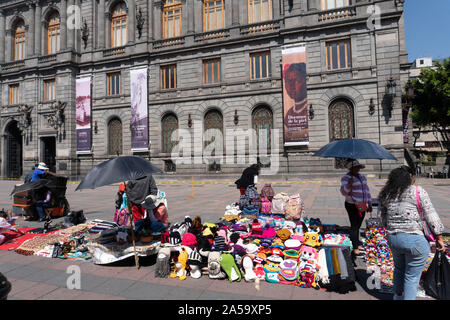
[(266, 206)]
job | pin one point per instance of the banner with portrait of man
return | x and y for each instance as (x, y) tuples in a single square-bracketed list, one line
[(295, 102), (83, 114)]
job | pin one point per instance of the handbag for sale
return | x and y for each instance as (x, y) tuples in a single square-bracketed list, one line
[(426, 229), (437, 278)]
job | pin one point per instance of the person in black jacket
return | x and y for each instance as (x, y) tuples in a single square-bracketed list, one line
[(137, 191), (247, 178)]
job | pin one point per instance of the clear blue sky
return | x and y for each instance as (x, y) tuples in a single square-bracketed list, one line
[(427, 28)]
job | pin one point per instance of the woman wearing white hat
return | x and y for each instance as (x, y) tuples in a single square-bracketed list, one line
[(39, 172), (358, 200)]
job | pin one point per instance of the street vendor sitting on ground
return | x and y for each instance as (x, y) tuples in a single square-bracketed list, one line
[(137, 191), (5, 226)]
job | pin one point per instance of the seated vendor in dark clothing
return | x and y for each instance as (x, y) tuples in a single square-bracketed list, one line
[(137, 191), (42, 202)]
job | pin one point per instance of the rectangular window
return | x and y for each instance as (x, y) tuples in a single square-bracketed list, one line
[(211, 71), (213, 15), (338, 55), (260, 65), (113, 86), (333, 4), (14, 93), (172, 19), (169, 77), (259, 10), (49, 90)]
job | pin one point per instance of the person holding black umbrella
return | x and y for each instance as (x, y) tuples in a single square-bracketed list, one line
[(358, 201)]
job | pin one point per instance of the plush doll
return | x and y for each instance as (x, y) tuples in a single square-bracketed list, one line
[(247, 267), (214, 270), (313, 239), (180, 265), (308, 255), (229, 265), (162, 269), (308, 267)]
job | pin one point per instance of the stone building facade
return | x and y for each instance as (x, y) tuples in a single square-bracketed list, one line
[(43, 55)]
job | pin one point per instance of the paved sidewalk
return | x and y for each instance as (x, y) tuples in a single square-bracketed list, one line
[(43, 278)]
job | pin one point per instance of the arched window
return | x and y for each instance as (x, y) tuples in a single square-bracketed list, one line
[(262, 122), (213, 138), (53, 34), (169, 124), (19, 41), (341, 124), (115, 137), (119, 25)]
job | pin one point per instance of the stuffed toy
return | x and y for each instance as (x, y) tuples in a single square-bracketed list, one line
[(313, 239), (229, 265), (247, 267), (259, 272), (308, 267), (180, 265), (214, 270), (308, 253), (162, 269)]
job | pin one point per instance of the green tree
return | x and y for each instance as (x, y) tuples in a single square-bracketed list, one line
[(431, 101)]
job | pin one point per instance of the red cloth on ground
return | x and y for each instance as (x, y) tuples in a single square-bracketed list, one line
[(138, 213), (161, 214), (14, 240), (242, 190)]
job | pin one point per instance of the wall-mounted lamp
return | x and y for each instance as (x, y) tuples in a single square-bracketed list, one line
[(311, 112), (236, 118), (95, 127), (371, 107), (189, 121)]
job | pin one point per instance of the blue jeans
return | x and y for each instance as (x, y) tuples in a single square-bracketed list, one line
[(40, 206), (410, 252)]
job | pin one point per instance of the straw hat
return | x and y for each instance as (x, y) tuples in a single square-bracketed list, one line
[(354, 163), (42, 166)]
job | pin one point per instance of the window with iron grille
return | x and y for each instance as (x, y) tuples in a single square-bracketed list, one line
[(338, 55), (113, 85), (211, 71), (341, 124), (262, 121), (260, 65), (168, 77), (115, 137), (169, 124), (214, 132)]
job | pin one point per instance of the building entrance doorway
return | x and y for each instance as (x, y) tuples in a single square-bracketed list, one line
[(13, 144), (48, 147)]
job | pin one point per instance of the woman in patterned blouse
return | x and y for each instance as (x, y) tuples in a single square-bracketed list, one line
[(401, 218)]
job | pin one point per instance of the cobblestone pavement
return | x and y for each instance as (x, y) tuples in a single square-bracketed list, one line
[(43, 278)]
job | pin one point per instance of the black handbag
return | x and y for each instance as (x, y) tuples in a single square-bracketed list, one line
[(437, 278), (5, 287)]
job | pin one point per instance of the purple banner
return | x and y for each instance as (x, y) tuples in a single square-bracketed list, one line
[(139, 109), (83, 114)]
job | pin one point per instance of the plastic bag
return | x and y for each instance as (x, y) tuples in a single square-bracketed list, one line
[(437, 278)]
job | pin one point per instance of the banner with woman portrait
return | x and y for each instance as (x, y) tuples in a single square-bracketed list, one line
[(83, 114), (295, 102), (139, 109)]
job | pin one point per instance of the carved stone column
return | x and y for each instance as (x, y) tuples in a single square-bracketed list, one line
[(101, 24), (2, 31), (31, 29), (63, 41), (70, 32), (132, 21), (37, 29), (150, 19)]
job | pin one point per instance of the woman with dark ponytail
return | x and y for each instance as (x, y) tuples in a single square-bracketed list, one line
[(401, 203)]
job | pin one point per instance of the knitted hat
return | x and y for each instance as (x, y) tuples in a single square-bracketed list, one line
[(219, 243), (283, 234), (189, 239), (252, 248), (269, 233), (291, 254), (277, 251), (164, 237), (194, 258), (174, 238), (266, 242), (239, 250), (288, 270), (234, 237), (214, 269), (223, 233), (277, 243), (229, 265), (275, 259), (292, 244), (188, 221)]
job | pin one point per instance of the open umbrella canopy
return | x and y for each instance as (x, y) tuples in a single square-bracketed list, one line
[(354, 149), (117, 170)]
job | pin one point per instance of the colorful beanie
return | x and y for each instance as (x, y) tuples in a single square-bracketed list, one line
[(283, 234)]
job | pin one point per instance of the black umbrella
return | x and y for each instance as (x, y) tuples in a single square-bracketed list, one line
[(120, 169), (117, 170)]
